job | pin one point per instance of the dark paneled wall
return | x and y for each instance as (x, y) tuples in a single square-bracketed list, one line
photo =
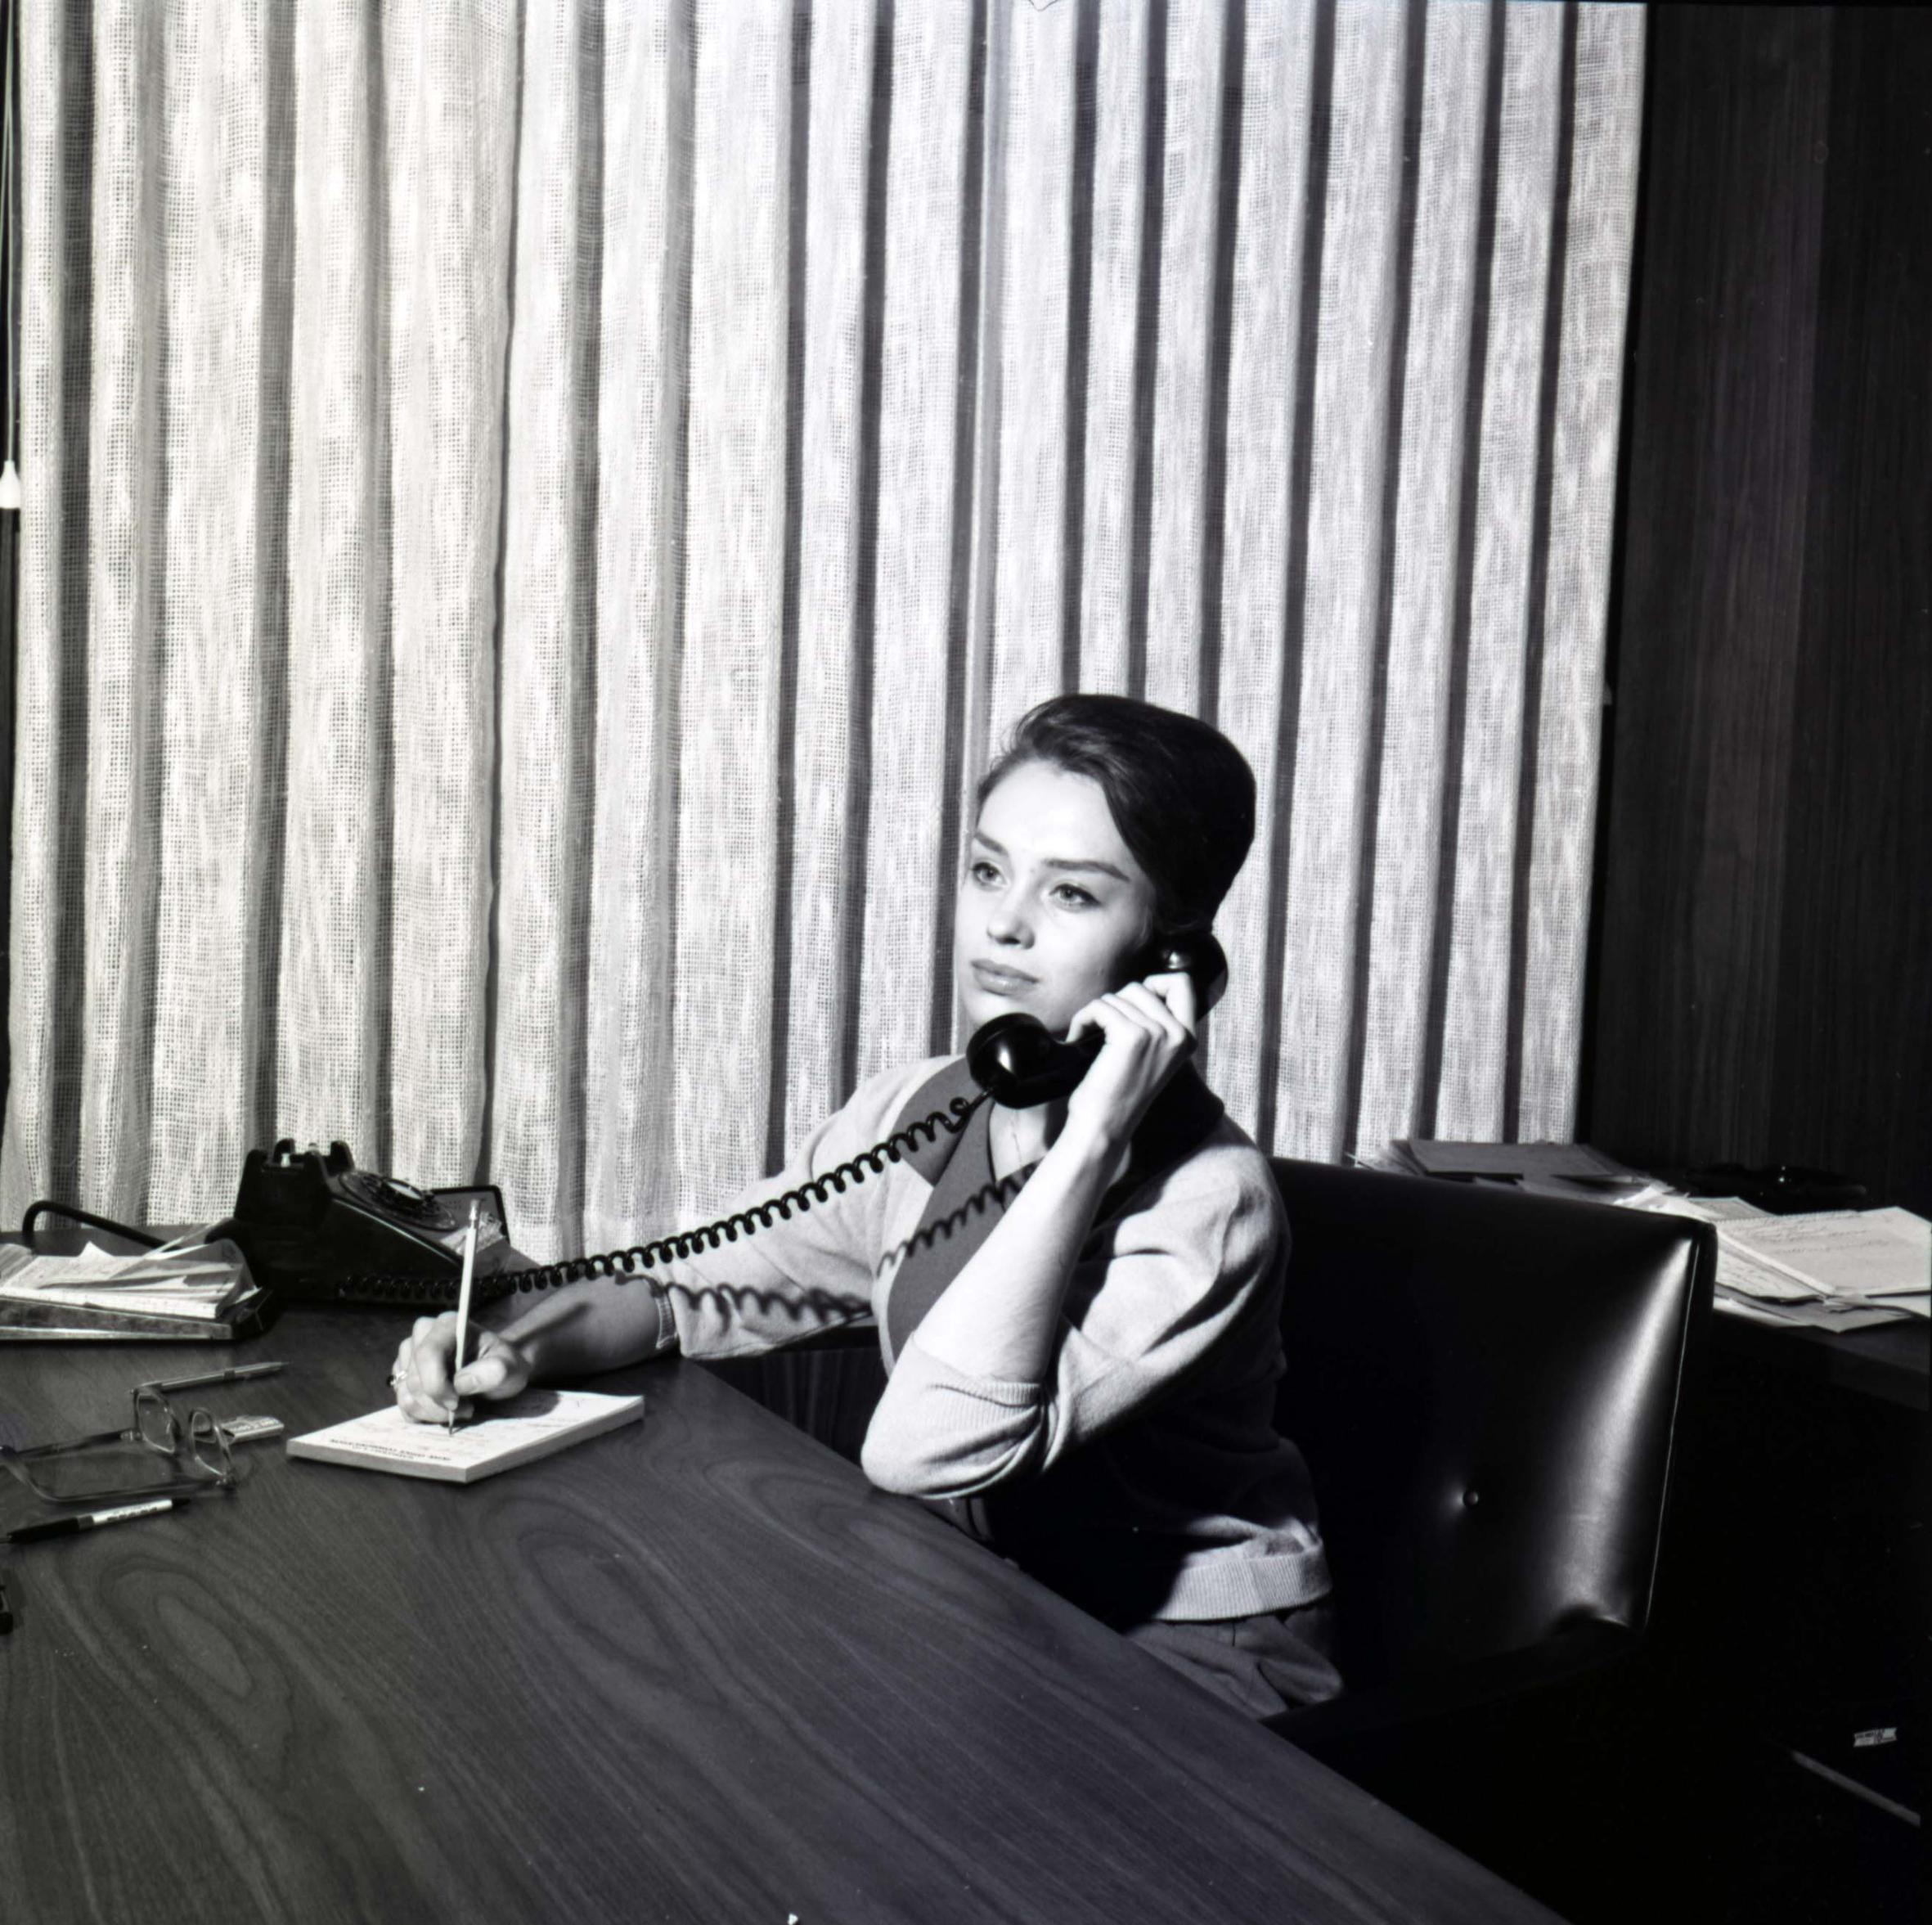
[(1762, 965)]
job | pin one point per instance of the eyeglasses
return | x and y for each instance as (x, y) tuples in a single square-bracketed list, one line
[(110, 1464)]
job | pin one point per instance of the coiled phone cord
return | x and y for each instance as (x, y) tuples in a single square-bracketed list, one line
[(620, 1265)]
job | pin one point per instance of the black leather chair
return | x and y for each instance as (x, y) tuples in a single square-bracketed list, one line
[(1486, 1385)]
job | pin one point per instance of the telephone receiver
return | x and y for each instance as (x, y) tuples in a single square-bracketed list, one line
[(1020, 1063)]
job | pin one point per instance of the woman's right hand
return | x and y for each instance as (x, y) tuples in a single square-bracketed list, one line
[(497, 1369)]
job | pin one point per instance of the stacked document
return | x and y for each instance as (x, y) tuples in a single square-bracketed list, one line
[(196, 1290), (1573, 1170), (1836, 1269), (1875, 1258)]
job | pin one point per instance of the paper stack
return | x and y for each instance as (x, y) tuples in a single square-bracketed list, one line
[(1572, 1170), (192, 1291), (1836, 1269)]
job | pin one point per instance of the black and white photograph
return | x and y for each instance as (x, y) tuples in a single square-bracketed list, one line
[(1071, 860)]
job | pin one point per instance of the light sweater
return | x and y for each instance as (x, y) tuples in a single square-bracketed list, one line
[(1143, 1477)]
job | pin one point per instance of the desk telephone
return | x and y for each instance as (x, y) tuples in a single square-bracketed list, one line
[(315, 1228)]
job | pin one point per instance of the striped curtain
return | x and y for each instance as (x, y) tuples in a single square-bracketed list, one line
[(537, 513)]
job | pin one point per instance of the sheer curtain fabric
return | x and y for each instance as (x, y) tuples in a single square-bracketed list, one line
[(537, 513)]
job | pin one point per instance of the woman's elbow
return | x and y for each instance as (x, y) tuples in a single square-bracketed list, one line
[(898, 1465), (888, 1469)]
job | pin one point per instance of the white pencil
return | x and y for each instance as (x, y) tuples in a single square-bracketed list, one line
[(463, 1308)]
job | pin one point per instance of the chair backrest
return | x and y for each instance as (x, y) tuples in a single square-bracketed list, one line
[(1485, 1386)]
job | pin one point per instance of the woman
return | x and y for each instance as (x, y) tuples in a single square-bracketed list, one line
[(1078, 1303)]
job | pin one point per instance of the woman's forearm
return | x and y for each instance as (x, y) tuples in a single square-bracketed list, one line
[(1000, 1316), (589, 1327)]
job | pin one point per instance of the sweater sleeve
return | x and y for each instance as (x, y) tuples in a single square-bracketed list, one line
[(811, 1270), (1195, 1264)]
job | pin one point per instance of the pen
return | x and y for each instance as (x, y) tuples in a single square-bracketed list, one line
[(92, 1520), (239, 1374), (5, 1611), (463, 1310)]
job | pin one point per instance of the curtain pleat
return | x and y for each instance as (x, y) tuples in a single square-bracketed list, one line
[(538, 514), (1393, 977), (126, 514), (905, 701), (1335, 623), (1124, 43), (1035, 185), (631, 1178), (39, 1142), (834, 456), (545, 668), (1470, 1097), (1165, 664), (332, 989), (1259, 675), (218, 631), (451, 95), (1599, 216), (734, 527)]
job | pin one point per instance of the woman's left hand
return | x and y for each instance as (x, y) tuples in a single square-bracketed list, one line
[(1149, 1028)]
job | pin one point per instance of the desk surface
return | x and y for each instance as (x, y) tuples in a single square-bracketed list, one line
[(1890, 1361), (695, 1670)]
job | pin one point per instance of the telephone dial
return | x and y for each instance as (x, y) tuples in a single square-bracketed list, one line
[(315, 1228)]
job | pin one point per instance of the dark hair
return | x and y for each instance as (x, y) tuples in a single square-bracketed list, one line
[(1181, 794)]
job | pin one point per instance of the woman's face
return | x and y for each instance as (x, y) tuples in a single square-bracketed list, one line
[(1052, 909)]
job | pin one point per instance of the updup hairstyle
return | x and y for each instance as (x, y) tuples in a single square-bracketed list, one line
[(1182, 794)]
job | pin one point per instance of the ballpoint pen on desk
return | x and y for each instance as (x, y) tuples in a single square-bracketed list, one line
[(463, 1311), (239, 1374), (121, 1513)]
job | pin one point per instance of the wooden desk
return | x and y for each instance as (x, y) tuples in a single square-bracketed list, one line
[(695, 1670), (1889, 1361), (1792, 1607)]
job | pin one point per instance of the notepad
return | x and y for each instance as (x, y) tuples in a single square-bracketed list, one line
[(499, 1438)]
